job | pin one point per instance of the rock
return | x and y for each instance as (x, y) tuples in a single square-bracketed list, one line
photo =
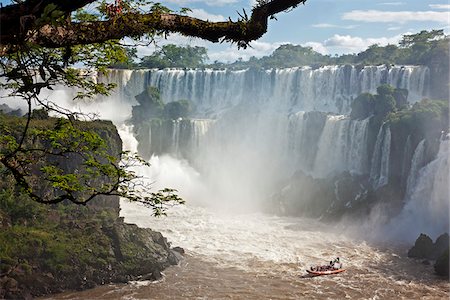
[(179, 250), (441, 266), (120, 279), (155, 275), (426, 262), (441, 244), (423, 248), (9, 288), (89, 284), (174, 257)]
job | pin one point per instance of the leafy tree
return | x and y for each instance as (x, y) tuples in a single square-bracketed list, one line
[(379, 105), (425, 119), (150, 105), (401, 98), (384, 101), (421, 44), (425, 48), (362, 106), (41, 42), (377, 55), (176, 57)]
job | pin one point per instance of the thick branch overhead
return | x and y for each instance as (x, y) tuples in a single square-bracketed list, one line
[(19, 26)]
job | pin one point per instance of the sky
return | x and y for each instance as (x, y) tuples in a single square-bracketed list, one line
[(328, 26)]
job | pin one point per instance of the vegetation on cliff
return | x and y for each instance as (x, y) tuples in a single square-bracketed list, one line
[(173, 56), (424, 48), (48, 249)]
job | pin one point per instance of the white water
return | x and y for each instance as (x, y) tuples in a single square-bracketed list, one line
[(416, 164), (328, 89), (348, 141), (379, 172), (427, 206)]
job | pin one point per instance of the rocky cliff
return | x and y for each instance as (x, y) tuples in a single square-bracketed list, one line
[(51, 248)]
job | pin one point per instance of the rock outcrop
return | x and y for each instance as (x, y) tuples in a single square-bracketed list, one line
[(438, 251)]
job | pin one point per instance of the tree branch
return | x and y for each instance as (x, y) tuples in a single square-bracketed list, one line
[(241, 32)]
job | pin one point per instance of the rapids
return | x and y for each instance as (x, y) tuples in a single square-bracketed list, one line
[(256, 256)]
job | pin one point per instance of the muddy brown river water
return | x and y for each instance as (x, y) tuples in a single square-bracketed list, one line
[(255, 256)]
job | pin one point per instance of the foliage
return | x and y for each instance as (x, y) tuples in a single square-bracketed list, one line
[(61, 160), (423, 48), (362, 106), (173, 56), (151, 106), (379, 105), (426, 119), (384, 100)]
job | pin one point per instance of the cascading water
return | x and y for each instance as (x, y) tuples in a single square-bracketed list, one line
[(342, 147), (416, 164), (379, 172), (327, 89), (427, 206)]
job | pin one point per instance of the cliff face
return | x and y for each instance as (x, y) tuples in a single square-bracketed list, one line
[(51, 248)]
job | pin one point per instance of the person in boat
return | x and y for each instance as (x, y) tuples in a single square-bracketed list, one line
[(337, 264)]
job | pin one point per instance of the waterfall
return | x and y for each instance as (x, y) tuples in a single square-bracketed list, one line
[(406, 163), (252, 129), (416, 164), (427, 206), (379, 172), (342, 147), (176, 136), (328, 88)]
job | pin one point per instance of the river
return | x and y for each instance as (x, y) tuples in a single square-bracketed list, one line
[(258, 256)]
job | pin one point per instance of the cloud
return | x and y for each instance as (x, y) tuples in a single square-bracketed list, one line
[(204, 15), (392, 3), (377, 16), (326, 25), (392, 28), (352, 44), (318, 47), (440, 6)]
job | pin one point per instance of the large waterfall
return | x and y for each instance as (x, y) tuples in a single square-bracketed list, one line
[(327, 89), (260, 135), (253, 129)]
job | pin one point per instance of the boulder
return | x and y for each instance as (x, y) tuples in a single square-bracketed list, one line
[(441, 245), (441, 266), (179, 250), (423, 248), (174, 257)]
